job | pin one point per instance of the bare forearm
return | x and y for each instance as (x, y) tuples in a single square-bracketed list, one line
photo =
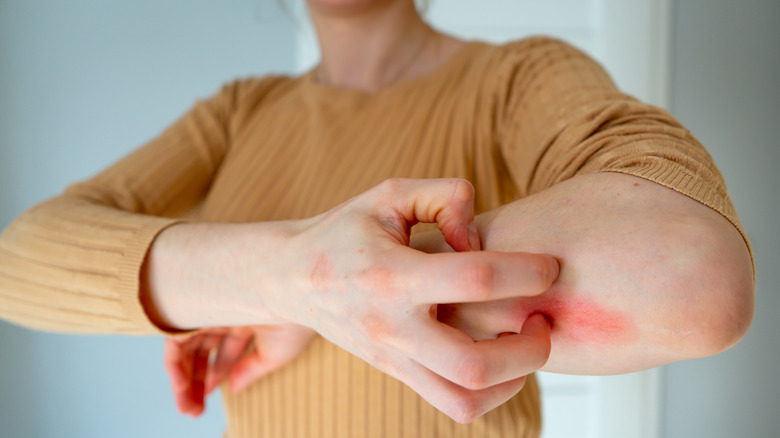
[(208, 274), (648, 276)]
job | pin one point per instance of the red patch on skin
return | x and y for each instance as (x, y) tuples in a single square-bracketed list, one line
[(375, 326), (379, 279), (580, 319), (322, 274)]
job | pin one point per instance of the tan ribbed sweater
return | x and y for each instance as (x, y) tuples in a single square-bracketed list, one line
[(513, 119)]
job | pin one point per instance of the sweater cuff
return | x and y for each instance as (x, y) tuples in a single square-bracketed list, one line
[(133, 258)]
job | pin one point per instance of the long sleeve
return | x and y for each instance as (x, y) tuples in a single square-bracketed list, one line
[(73, 263), (563, 117)]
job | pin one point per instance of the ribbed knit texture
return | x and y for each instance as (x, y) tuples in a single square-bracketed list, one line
[(513, 119)]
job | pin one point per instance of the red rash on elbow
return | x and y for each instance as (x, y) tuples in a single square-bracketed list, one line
[(581, 320)]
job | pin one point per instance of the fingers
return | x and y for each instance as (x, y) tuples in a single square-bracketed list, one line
[(199, 363), (476, 276), (179, 363), (230, 351), (174, 365), (179, 374), (187, 364), (461, 404), (448, 202), (465, 379), (200, 356), (451, 354), (275, 347)]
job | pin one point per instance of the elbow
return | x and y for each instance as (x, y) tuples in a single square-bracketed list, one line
[(734, 313), (719, 288), (726, 320)]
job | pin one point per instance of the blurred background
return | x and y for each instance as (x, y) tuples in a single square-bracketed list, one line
[(82, 82)]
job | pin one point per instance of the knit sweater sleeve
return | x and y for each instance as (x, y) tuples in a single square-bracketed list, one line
[(562, 116), (73, 263)]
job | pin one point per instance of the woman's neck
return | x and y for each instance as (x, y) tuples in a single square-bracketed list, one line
[(372, 46)]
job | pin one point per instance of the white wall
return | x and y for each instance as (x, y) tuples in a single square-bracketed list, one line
[(81, 83), (726, 81)]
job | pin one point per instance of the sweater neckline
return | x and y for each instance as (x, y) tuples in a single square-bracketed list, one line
[(328, 91)]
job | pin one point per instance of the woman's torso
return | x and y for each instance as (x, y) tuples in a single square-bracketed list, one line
[(297, 150)]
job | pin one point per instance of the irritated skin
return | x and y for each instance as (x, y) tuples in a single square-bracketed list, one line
[(580, 320), (648, 276), (578, 324), (575, 321)]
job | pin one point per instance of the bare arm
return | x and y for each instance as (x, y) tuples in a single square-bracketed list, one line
[(648, 276)]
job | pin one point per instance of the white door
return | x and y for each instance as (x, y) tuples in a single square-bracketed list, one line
[(631, 39)]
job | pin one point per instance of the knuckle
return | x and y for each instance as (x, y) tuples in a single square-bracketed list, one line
[(540, 273), (478, 280), (391, 185), (463, 190), (379, 359), (372, 356), (464, 409), (472, 372), (380, 280), (375, 328)]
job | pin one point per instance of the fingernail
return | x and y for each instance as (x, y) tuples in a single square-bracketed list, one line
[(546, 318), (473, 234), (556, 268)]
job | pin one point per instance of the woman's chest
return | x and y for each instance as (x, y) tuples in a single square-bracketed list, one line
[(306, 163)]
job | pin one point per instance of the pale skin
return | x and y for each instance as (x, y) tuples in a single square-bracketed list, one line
[(631, 274)]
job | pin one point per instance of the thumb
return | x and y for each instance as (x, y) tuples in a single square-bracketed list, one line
[(538, 326)]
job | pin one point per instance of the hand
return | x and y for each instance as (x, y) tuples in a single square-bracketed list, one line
[(199, 363), (364, 289), (490, 319)]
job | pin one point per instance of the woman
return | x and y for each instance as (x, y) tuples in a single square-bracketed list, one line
[(263, 210)]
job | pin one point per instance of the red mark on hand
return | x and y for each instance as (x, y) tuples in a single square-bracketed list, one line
[(375, 327), (322, 274)]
